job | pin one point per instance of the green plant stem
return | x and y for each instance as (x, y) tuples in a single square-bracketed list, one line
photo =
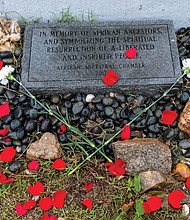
[(61, 119), (117, 133)]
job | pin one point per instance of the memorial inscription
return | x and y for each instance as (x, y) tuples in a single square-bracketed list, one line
[(75, 57)]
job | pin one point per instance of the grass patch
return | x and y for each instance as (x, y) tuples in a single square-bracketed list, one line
[(109, 194)]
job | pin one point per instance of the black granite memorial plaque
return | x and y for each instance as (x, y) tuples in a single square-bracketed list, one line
[(75, 57)]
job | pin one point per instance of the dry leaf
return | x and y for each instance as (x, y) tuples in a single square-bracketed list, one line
[(182, 170)]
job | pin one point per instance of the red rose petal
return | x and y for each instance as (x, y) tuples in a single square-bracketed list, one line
[(168, 117), (8, 154), (116, 170), (7, 139), (126, 132), (131, 53), (58, 199), (146, 208), (108, 164), (33, 165), (45, 203), (52, 217), (30, 204), (110, 78), (20, 210), (120, 163), (175, 197), (4, 180), (4, 109), (63, 128), (87, 203), (37, 189), (88, 186), (187, 183), (4, 131), (45, 216), (154, 203), (59, 164), (1, 64)]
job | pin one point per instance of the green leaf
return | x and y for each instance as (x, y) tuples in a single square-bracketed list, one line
[(138, 207), (121, 215), (130, 182), (137, 185), (129, 195)]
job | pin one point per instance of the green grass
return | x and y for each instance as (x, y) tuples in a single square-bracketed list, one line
[(109, 193)]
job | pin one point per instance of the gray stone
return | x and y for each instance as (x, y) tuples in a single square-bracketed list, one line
[(147, 154), (151, 179), (75, 57)]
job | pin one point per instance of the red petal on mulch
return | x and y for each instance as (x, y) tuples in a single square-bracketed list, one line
[(58, 199), (33, 165), (63, 128), (1, 64), (36, 189), (187, 183), (30, 204), (154, 203), (175, 197), (120, 163), (87, 203), (45, 203), (7, 139), (108, 164), (4, 180), (131, 53), (116, 170), (168, 117), (45, 216), (4, 131), (7, 154), (4, 109), (146, 208), (110, 78), (20, 210), (126, 132), (88, 186), (59, 164)]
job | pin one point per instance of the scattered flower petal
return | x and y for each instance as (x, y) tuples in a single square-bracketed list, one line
[(30, 204), (58, 199), (1, 64), (146, 208), (63, 128), (4, 131), (154, 203), (116, 170), (187, 183), (175, 197), (33, 165), (110, 78), (45, 203), (131, 53), (45, 216), (20, 210), (59, 164), (4, 109), (7, 154), (88, 186), (108, 164), (185, 209), (36, 189), (87, 203), (126, 132), (120, 163), (4, 180), (168, 116)]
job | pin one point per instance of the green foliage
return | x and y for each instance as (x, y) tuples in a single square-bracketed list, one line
[(121, 215), (133, 185), (139, 211)]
